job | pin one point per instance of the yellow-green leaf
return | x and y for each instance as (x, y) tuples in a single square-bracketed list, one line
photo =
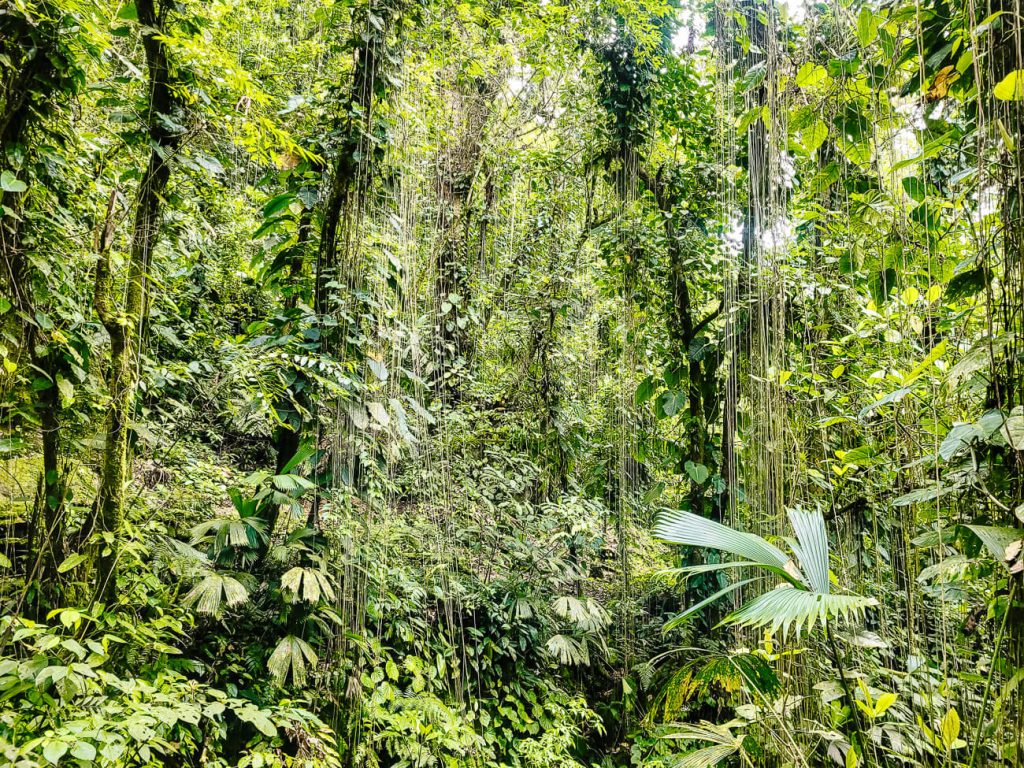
[(71, 561), (937, 351), (810, 74), (885, 701), (1011, 87), (867, 27), (949, 728)]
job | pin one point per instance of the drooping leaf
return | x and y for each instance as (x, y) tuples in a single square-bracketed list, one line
[(996, 538), (867, 26), (10, 183), (215, 592), (292, 656)]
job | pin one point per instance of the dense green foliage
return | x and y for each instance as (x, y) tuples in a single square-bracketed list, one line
[(513, 383)]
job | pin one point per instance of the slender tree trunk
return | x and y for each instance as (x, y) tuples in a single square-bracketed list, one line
[(27, 105), (125, 328)]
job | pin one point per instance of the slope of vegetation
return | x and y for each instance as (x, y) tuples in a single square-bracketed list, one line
[(518, 383)]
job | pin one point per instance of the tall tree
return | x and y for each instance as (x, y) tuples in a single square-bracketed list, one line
[(126, 322), (38, 43)]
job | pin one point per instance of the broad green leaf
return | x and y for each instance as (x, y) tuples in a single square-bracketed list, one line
[(645, 391), (277, 204), (1013, 431), (928, 493), (54, 750), (10, 183), (814, 135), (378, 367), (996, 538), (883, 703), (71, 561), (697, 472), (810, 74), (1011, 87), (958, 438), (867, 27), (258, 718), (379, 413), (66, 389), (83, 750), (915, 188)]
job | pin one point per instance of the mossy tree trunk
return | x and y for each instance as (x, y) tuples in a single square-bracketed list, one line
[(125, 327)]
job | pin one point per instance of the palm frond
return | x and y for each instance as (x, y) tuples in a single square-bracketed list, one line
[(682, 527), (717, 733), (680, 619), (308, 584), (291, 656), (568, 650), (214, 592), (706, 757), (812, 550), (690, 570), (724, 743), (785, 607), (223, 532), (718, 675), (588, 615)]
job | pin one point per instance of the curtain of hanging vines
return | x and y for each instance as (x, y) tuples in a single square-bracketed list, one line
[(842, 178)]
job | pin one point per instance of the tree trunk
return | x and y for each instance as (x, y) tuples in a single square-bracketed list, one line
[(456, 172), (27, 104), (125, 328)]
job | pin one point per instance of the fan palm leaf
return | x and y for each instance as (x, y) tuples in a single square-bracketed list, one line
[(786, 607), (803, 601)]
